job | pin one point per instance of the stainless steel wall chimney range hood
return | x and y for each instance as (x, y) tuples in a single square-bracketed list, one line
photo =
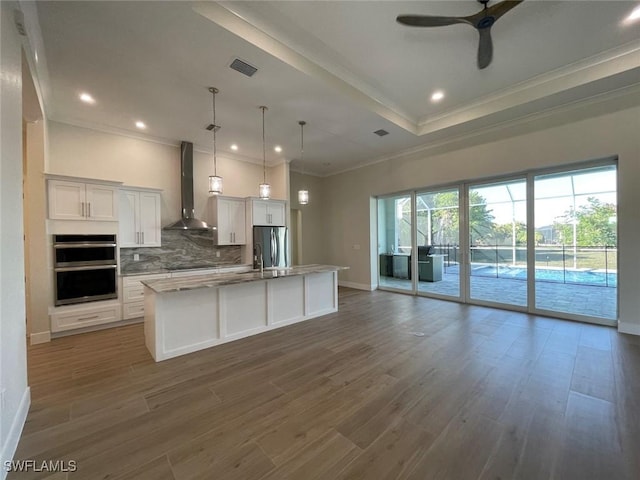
[(188, 220)]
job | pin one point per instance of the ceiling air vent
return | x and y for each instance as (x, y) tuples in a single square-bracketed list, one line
[(243, 67), (381, 132)]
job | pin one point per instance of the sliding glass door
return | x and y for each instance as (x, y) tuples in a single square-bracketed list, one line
[(438, 242), (395, 244), (545, 243), (576, 242), (498, 242)]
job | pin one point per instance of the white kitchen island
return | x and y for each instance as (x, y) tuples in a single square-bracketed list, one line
[(183, 315)]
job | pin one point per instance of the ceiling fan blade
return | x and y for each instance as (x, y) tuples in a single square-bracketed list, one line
[(485, 48), (429, 21)]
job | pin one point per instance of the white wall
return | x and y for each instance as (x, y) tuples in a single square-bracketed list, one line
[(605, 129), (83, 152), (13, 362), (314, 245)]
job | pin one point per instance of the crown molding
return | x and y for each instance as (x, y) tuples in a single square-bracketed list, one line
[(598, 67), (452, 143), (163, 141)]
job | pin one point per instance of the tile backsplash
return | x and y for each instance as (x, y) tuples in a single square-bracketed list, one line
[(180, 249)]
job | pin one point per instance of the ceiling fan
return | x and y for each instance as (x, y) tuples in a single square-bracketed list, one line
[(481, 21)]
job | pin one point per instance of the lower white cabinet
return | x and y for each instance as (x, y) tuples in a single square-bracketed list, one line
[(133, 294), (86, 315)]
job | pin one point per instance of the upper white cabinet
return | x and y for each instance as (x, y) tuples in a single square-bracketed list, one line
[(227, 214), (140, 218), (267, 212), (70, 200)]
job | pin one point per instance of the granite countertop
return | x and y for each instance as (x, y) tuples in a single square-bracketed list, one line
[(145, 269), (220, 279)]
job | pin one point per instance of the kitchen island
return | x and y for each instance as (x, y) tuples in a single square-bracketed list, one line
[(186, 314)]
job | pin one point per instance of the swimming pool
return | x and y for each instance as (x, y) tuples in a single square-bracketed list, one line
[(580, 277)]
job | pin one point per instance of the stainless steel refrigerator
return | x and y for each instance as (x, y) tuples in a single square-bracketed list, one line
[(271, 243)]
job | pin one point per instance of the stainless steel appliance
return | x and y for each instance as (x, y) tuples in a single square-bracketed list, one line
[(85, 268), (270, 245)]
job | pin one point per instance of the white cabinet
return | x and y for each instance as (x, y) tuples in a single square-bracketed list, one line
[(228, 216), (140, 218), (267, 212), (86, 315), (69, 200), (133, 294)]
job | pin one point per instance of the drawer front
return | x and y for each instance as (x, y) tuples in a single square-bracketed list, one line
[(70, 320), (133, 293), (133, 289), (132, 310)]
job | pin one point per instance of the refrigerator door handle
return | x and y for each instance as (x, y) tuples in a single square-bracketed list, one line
[(286, 237), (274, 249)]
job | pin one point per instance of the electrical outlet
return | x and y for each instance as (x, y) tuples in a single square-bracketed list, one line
[(356, 246), (136, 257), (218, 253)]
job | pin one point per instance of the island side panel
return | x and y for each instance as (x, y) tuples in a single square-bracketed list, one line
[(286, 300), (150, 335), (185, 321), (321, 293), (243, 309)]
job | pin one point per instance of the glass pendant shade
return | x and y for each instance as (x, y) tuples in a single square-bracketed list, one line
[(265, 191), (215, 185), (303, 194), (265, 188), (215, 181)]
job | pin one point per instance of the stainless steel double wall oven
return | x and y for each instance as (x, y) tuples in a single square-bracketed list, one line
[(85, 268)]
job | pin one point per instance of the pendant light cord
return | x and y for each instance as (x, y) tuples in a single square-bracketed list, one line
[(302, 124), (264, 150), (215, 160)]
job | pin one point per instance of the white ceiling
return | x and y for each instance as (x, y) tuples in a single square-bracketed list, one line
[(347, 68)]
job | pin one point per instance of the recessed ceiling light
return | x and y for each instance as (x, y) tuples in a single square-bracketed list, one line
[(140, 125), (633, 16), (278, 148), (86, 98), (437, 96), (234, 147)]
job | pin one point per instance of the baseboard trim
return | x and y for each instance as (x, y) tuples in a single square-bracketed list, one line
[(40, 337), (11, 445), (630, 328), (357, 286)]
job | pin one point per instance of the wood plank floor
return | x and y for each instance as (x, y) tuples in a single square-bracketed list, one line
[(390, 387)]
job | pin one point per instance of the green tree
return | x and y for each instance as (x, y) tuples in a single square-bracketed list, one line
[(595, 224)]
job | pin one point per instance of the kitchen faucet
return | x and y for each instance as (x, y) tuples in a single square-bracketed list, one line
[(255, 257)]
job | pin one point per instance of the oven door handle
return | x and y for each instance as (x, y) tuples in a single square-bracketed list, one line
[(83, 245), (88, 267)]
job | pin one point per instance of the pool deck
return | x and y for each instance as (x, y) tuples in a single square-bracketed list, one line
[(593, 301)]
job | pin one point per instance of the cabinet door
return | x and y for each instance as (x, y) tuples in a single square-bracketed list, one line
[(260, 212), (149, 219), (102, 202), (66, 200), (276, 214), (128, 226), (224, 221), (237, 216)]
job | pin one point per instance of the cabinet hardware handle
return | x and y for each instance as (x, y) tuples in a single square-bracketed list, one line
[(89, 205), (82, 209), (89, 318)]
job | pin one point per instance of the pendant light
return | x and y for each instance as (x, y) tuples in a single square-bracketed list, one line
[(215, 182), (303, 194), (265, 188)]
